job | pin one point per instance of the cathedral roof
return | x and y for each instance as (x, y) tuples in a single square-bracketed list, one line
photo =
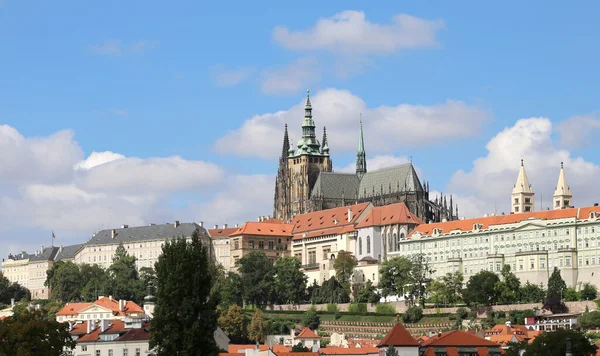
[(390, 180), (336, 185)]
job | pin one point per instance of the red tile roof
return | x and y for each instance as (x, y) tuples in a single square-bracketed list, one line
[(104, 302), (388, 215), (453, 351), (328, 219), (458, 338), (486, 222), (337, 350), (264, 229), (222, 232), (238, 349), (398, 336), (307, 334), (135, 335), (72, 308), (298, 354)]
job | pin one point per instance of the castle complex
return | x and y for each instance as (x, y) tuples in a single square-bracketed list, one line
[(306, 181)]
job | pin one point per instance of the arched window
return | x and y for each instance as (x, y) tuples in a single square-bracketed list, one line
[(368, 244), (389, 239), (396, 242), (360, 245)]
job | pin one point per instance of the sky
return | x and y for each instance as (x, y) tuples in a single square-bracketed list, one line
[(138, 112)]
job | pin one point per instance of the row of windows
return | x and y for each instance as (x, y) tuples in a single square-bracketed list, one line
[(138, 351)]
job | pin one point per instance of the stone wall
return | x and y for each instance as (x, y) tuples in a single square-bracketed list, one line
[(574, 307)]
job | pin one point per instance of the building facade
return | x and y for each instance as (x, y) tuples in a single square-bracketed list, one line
[(305, 181), (271, 237), (221, 238)]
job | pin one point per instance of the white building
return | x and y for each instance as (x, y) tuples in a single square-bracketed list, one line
[(105, 308)]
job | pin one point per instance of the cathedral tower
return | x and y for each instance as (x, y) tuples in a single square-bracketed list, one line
[(300, 169), (361, 156), (562, 194), (522, 197)]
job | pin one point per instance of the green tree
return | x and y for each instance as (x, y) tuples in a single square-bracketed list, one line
[(30, 333), (368, 294), (532, 293), (299, 347), (555, 344), (395, 274), (515, 348), (590, 320), (480, 289), (290, 282), (124, 278), (344, 267), (572, 295), (232, 292), (10, 291), (419, 278), (508, 288), (96, 279), (437, 292), (310, 318), (331, 292), (258, 328), (233, 323), (185, 315), (257, 274), (589, 292), (147, 276), (555, 293), (65, 282), (391, 351), (453, 283), (412, 315)]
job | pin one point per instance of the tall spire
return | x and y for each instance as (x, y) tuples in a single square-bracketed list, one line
[(522, 194), (562, 194), (324, 144), (308, 144), (361, 156), (286, 143)]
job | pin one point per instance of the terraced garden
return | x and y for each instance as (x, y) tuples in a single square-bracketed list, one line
[(362, 329)]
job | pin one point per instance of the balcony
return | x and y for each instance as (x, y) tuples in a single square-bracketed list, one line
[(310, 266)]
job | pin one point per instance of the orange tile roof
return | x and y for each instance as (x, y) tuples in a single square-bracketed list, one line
[(237, 349), (453, 351), (388, 215), (338, 350), (222, 232), (264, 229), (326, 219), (72, 308), (115, 326), (458, 338), (398, 336), (104, 302), (486, 222), (298, 354), (307, 334)]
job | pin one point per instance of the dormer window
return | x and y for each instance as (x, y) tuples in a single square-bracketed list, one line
[(593, 215)]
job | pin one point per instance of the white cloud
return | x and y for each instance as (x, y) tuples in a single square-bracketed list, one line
[(487, 186), (108, 47), (47, 184), (296, 76), (385, 127), (143, 46), (228, 77), (349, 32), (577, 131)]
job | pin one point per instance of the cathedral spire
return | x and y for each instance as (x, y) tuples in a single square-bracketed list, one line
[(361, 156), (562, 194), (324, 145), (286, 143), (308, 144), (522, 193), (308, 106)]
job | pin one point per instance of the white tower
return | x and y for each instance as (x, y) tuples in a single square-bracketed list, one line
[(522, 195), (562, 194)]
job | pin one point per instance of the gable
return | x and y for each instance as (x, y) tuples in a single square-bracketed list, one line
[(94, 309)]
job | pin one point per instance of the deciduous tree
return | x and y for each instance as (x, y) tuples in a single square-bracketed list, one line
[(310, 318), (532, 293), (368, 294), (257, 274), (395, 274), (258, 328), (555, 344), (344, 268), (185, 315), (480, 289), (290, 282), (508, 288), (419, 277), (233, 323), (331, 292), (589, 292), (65, 282), (124, 278)]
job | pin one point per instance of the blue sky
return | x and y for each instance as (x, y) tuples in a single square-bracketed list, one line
[(466, 89)]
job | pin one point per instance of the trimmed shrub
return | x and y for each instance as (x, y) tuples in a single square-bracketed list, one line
[(412, 315), (462, 313), (386, 309), (332, 308), (357, 308)]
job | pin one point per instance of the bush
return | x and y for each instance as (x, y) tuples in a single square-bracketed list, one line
[(357, 308), (332, 308), (386, 309), (310, 319), (412, 315), (462, 313)]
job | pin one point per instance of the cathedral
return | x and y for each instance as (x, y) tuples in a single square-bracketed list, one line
[(306, 182)]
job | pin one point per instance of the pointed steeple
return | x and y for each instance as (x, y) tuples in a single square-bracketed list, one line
[(361, 156), (324, 145), (562, 193), (522, 194), (308, 144), (286, 143)]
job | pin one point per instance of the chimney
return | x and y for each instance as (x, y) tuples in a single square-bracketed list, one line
[(236, 226), (42, 250), (349, 215), (176, 223), (444, 220), (90, 326), (110, 297), (113, 233), (258, 220), (100, 297), (124, 226), (12, 302), (215, 227), (103, 326), (224, 226), (201, 224), (122, 303)]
